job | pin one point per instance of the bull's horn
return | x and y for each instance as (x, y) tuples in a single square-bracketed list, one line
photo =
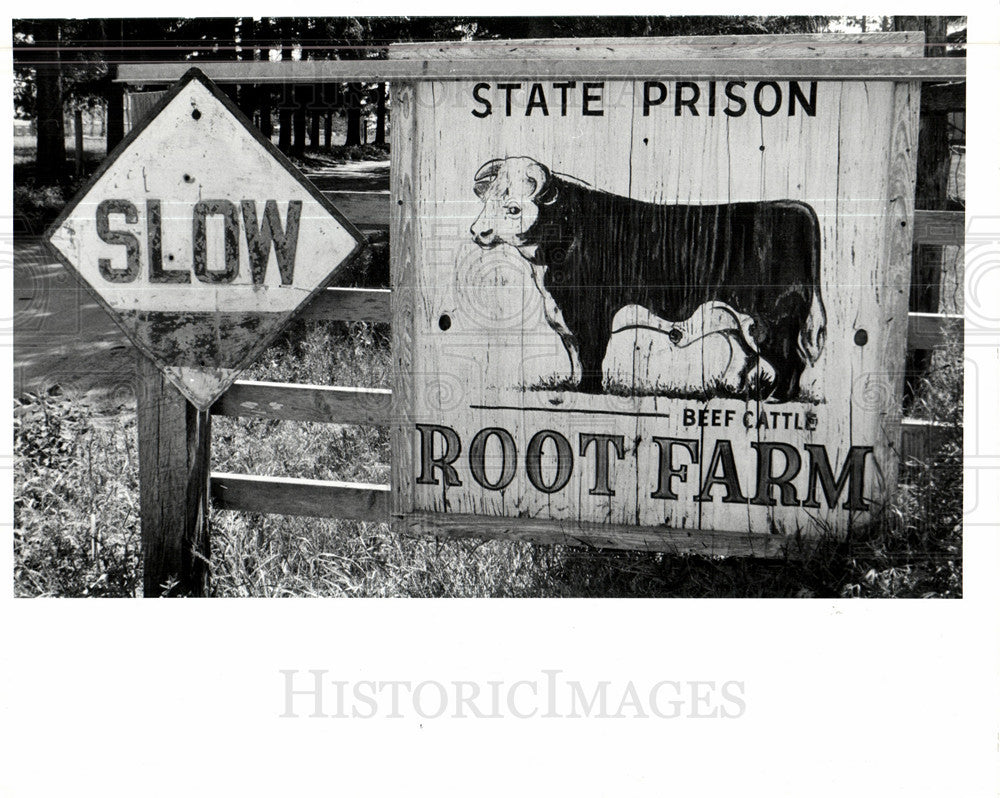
[(489, 170), (537, 174), (544, 190)]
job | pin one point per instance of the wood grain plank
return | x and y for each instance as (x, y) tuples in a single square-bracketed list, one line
[(402, 244), (943, 98), (174, 443), (920, 438), (711, 68), (305, 497), (926, 330), (931, 330), (795, 45), (604, 536), (939, 227), (349, 304), (290, 402), (890, 347)]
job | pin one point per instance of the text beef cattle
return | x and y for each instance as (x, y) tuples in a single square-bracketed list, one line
[(593, 252)]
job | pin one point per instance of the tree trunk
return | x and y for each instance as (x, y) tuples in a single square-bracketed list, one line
[(314, 129), (78, 142), (285, 130), (50, 157), (264, 98), (248, 100), (285, 120), (113, 120), (353, 115), (380, 116), (299, 125)]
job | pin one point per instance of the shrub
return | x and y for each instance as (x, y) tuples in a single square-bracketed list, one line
[(36, 207)]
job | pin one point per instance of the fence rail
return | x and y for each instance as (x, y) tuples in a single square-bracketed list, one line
[(703, 68), (367, 502), (372, 406), (297, 402), (310, 497)]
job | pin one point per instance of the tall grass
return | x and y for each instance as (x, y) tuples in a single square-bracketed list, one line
[(77, 529)]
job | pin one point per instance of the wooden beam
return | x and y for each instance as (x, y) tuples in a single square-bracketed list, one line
[(921, 438), (577, 533), (307, 497), (349, 304), (890, 44), (931, 330), (291, 402), (404, 235), (943, 97), (711, 68), (349, 405), (174, 444), (945, 228)]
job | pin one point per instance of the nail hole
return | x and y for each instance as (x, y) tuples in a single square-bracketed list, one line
[(762, 148), (902, 224), (444, 322), (196, 114), (170, 257), (861, 337), (645, 141), (188, 179)]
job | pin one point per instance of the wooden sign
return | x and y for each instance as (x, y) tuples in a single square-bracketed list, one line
[(652, 313), (201, 239)]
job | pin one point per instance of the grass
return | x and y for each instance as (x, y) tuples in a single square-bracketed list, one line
[(76, 511)]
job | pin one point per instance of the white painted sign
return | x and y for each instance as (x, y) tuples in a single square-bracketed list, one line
[(201, 239), (655, 313)]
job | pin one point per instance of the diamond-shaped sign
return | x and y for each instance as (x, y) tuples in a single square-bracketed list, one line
[(201, 239)]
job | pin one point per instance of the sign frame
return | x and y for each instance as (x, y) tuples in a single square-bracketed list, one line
[(406, 228), (195, 74)]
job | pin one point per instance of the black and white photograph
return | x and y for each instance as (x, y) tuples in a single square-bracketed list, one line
[(525, 305), (489, 307)]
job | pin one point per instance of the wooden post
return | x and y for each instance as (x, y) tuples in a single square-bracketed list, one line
[(78, 141), (174, 447), (115, 130), (933, 154)]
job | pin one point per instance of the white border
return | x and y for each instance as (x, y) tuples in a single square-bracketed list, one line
[(843, 698)]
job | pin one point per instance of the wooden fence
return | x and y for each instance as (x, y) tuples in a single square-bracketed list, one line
[(295, 402), (174, 437)]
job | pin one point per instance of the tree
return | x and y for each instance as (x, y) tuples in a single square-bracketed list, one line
[(50, 157), (380, 114)]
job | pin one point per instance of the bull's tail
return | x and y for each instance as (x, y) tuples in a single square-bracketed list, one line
[(813, 335)]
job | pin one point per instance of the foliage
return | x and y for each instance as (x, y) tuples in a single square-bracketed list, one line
[(75, 481), (76, 530), (35, 207)]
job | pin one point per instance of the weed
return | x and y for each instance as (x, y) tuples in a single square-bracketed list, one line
[(76, 511)]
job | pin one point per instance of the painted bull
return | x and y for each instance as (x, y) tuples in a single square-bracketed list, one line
[(592, 253)]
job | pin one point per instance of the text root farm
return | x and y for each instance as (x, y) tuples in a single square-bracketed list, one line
[(761, 473)]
